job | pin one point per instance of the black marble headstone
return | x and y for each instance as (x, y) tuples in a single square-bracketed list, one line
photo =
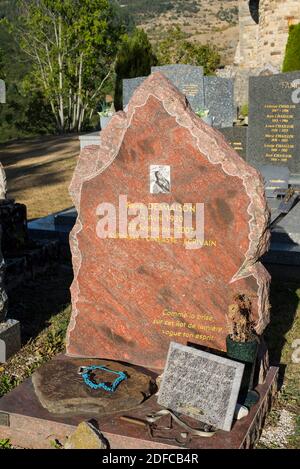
[(201, 385), (237, 138), (219, 99), (275, 177), (274, 121), (188, 79)]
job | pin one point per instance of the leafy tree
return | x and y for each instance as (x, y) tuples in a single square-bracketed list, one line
[(25, 113), (175, 48), (292, 53), (72, 46), (135, 58)]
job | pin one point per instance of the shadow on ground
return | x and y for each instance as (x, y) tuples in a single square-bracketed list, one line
[(284, 306), (15, 152), (36, 302)]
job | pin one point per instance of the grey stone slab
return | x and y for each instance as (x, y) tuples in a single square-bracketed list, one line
[(201, 385), (286, 254), (287, 230), (274, 121), (188, 79), (2, 92), (129, 87), (219, 99), (237, 138), (10, 339)]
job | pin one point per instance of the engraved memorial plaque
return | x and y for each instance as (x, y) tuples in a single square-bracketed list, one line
[(201, 385), (188, 79), (274, 121)]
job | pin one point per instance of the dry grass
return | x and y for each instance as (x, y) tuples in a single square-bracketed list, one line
[(39, 172), (203, 27)]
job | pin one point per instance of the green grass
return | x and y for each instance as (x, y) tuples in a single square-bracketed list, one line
[(5, 444)]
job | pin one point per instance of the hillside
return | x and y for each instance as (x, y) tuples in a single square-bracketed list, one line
[(204, 21)]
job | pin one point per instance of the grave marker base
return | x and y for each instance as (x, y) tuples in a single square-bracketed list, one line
[(27, 424)]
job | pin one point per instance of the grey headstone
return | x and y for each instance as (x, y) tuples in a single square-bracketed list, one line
[(287, 230), (237, 138), (129, 87), (10, 339), (188, 79), (201, 385), (274, 121), (2, 92), (219, 99), (275, 177)]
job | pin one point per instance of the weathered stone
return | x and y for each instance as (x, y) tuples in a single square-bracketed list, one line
[(86, 436), (13, 219), (133, 295), (201, 385), (61, 389), (3, 183), (10, 339)]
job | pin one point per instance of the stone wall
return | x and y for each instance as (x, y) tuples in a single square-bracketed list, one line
[(246, 54), (274, 21), (264, 43), (263, 34)]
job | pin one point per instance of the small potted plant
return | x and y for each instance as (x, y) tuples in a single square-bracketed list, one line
[(105, 115), (242, 344), (204, 115)]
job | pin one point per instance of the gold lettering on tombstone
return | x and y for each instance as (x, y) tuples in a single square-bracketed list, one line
[(191, 90), (279, 132)]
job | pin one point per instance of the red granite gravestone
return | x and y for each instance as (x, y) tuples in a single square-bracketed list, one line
[(138, 288)]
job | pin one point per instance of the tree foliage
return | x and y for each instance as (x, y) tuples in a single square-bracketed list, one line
[(175, 48), (26, 111), (72, 47), (292, 53), (135, 58)]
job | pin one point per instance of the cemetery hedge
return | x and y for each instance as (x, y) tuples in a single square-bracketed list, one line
[(292, 54)]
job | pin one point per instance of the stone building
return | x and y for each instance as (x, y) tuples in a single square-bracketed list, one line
[(263, 31), (263, 34)]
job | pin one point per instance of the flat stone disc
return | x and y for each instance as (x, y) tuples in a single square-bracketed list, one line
[(61, 390)]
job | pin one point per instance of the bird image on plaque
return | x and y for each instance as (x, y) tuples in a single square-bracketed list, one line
[(160, 179)]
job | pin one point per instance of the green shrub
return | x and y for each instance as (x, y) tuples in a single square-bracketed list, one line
[(292, 53), (5, 444), (176, 49), (135, 58)]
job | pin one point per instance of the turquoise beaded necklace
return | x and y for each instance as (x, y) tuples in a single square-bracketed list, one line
[(85, 373)]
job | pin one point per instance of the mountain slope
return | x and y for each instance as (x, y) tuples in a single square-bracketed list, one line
[(204, 21)]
